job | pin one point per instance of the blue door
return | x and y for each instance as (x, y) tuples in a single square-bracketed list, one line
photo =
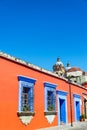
[(77, 110), (62, 111)]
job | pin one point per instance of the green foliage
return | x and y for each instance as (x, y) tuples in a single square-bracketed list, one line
[(82, 116), (50, 108), (26, 108)]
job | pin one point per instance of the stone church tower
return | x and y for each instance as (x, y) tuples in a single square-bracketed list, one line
[(58, 68)]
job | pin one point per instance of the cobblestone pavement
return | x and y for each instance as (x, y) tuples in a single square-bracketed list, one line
[(76, 126), (81, 127)]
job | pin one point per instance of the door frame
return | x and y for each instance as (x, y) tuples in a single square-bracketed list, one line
[(76, 99), (62, 95)]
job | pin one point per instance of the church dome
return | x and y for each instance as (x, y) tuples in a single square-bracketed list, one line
[(58, 68), (73, 69)]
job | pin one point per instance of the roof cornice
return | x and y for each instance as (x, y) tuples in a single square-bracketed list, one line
[(27, 64), (34, 67)]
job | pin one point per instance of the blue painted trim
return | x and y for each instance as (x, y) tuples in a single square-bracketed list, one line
[(49, 85), (62, 92), (63, 96), (25, 82), (45, 98), (76, 99), (20, 99), (76, 96), (26, 79)]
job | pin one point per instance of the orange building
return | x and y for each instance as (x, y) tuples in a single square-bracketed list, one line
[(33, 98)]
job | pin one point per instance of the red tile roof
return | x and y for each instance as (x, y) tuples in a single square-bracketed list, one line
[(74, 69)]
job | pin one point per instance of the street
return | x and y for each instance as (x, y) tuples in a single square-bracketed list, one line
[(83, 127), (76, 126)]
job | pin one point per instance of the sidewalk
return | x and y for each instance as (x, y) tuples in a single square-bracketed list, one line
[(67, 127)]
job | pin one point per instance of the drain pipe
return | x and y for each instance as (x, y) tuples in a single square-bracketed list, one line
[(70, 92)]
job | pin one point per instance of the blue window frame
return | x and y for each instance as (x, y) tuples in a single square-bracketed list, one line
[(26, 94), (50, 96)]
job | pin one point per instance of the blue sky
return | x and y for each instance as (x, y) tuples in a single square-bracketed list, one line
[(39, 31)]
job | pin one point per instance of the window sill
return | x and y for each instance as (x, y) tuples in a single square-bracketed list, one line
[(50, 113), (25, 113)]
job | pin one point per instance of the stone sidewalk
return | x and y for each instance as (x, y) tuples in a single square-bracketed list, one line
[(75, 126)]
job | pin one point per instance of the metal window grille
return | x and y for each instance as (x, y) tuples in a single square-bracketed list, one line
[(27, 99), (51, 100)]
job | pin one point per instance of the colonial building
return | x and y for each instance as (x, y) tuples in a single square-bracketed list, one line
[(75, 74), (33, 98)]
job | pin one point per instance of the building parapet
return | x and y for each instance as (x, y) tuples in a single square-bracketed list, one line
[(17, 60), (27, 64)]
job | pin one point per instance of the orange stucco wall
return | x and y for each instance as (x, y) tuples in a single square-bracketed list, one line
[(9, 89)]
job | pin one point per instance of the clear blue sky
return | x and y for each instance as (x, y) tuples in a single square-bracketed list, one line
[(39, 31)]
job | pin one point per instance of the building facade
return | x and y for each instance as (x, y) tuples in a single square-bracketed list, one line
[(75, 74), (34, 98)]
